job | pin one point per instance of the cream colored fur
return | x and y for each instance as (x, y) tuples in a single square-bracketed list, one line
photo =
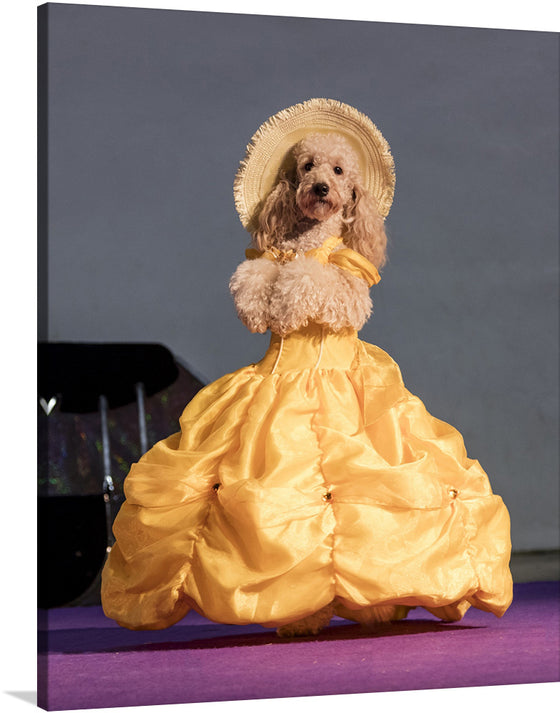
[(309, 625), (368, 617), (285, 297)]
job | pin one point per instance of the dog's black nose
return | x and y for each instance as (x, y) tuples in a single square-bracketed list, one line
[(320, 189)]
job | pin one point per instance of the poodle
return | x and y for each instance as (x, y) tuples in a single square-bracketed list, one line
[(319, 196)]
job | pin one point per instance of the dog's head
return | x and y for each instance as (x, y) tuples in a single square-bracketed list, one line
[(326, 171), (323, 180)]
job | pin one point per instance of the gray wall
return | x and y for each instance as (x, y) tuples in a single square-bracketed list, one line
[(149, 114)]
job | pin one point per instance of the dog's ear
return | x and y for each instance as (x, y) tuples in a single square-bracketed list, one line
[(278, 214), (365, 227)]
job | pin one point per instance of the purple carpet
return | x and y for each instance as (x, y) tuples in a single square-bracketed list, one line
[(87, 661)]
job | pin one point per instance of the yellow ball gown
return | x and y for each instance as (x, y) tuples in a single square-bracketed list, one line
[(311, 476)]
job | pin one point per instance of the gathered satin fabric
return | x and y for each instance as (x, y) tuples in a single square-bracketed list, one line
[(311, 476)]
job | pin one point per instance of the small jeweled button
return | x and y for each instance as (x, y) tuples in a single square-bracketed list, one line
[(453, 492), (327, 496)]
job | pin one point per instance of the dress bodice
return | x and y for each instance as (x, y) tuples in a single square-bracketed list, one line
[(311, 347)]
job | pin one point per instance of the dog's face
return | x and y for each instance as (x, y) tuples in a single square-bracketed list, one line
[(326, 172)]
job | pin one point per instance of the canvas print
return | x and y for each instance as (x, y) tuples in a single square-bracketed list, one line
[(296, 387)]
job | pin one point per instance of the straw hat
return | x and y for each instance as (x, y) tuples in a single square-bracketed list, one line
[(269, 152)]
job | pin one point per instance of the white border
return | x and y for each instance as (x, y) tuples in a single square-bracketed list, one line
[(18, 300)]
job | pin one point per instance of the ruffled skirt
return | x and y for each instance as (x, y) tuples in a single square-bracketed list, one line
[(310, 477)]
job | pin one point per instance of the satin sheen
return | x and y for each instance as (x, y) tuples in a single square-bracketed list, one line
[(311, 475)]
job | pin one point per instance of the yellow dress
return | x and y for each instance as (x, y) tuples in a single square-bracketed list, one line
[(311, 476)]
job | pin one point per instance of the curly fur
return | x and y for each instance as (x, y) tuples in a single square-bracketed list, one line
[(251, 287), (309, 625), (286, 297), (368, 617), (284, 218), (307, 291)]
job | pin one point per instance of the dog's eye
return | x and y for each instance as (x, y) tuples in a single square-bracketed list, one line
[(338, 170), (308, 166)]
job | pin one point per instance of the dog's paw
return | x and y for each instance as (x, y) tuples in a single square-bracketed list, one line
[(256, 323), (287, 322), (372, 616), (296, 295), (298, 629), (348, 305), (250, 286), (307, 291), (308, 625)]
